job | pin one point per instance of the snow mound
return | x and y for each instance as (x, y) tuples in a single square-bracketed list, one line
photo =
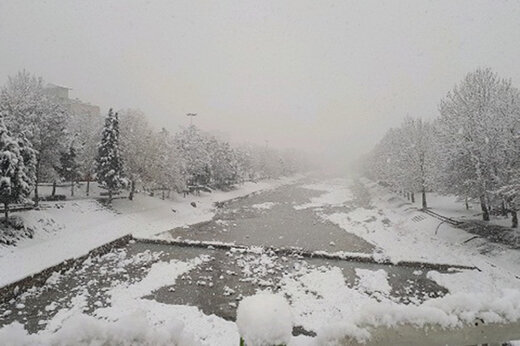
[(373, 280), (84, 330), (264, 319)]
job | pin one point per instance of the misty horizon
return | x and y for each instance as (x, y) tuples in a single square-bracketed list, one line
[(329, 78)]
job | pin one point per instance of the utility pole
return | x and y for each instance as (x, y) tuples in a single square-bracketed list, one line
[(191, 115)]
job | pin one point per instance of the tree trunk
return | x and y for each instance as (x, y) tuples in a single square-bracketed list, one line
[(168, 196), (514, 219), (467, 204), (109, 196), (36, 196), (162, 197), (132, 190), (53, 188), (72, 188), (483, 206), (424, 204), (413, 197), (6, 213), (88, 184), (503, 209)]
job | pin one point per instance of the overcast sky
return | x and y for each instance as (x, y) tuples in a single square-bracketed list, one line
[(328, 75)]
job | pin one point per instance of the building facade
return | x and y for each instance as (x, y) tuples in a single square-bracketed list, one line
[(72, 106)]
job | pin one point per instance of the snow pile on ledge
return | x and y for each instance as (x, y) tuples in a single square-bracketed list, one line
[(323, 303), (85, 330), (264, 319)]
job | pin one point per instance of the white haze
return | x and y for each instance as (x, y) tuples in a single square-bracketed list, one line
[(325, 76)]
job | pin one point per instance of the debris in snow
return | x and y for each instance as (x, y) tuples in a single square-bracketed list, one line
[(193, 204), (264, 319)]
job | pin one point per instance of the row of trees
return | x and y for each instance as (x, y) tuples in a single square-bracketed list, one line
[(160, 160), (41, 142), (471, 150)]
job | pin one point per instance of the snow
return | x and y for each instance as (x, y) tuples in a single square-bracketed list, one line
[(322, 302), (320, 299), (71, 229), (402, 233), (264, 319), (131, 319), (160, 274), (337, 192), (264, 206), (371, 281)]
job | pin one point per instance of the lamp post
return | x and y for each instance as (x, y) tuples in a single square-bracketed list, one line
[(191, 115)]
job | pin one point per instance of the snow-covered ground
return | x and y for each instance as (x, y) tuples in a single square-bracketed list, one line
[(320, 299), (454, 207), (402, 233), (70, 229)]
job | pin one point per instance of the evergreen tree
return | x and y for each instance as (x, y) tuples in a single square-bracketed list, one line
[(17, 165), (109, 164)]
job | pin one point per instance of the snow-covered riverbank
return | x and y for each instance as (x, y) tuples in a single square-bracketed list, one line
[(70, 229)]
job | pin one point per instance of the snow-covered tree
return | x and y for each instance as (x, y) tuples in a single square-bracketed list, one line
[(86, 131), (472, 150), (17, 165), (223, 164), (384, 160), (109, 168), (167, 164), (507, 169), (414, 157), (137, 148), (69, 168), (470, 133), (192, 145), (27, 110)]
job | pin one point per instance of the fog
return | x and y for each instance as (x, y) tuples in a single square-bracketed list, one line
[(325, 76)]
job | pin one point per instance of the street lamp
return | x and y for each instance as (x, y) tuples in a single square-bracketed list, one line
[(191, 115)]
